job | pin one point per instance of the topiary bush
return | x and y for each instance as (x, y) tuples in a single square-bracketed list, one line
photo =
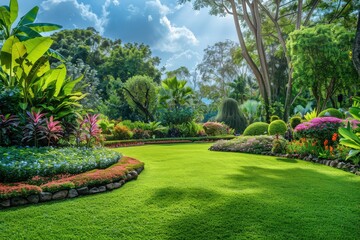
[(331, 112), (230, 115), (257, 128), (277, 127), (294, 121), (274, 117)]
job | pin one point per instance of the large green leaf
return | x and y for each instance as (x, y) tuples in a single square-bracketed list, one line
[(29, 17), (55, 54), (6, 54), (69, 86), (352, 153), (24, 31), (60, 75), (43, 27), (36, 48), (14, 9), (5, 19), (355, 112)]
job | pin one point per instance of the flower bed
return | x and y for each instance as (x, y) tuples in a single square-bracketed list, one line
[(20, 164), (41, 189)]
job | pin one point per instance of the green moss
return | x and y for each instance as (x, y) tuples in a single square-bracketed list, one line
[(331, 112), (277, 127), (257, 128)]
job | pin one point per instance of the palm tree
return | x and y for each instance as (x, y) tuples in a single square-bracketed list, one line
[(174, 93)]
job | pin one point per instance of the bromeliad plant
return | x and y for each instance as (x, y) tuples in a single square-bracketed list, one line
[(88, 130), (53, 131)]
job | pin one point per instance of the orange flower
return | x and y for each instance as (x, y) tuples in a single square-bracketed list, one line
[(331, 149), (334, 137), (326, 142)]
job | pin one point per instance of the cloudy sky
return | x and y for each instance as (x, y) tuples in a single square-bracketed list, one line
[(176, 33)]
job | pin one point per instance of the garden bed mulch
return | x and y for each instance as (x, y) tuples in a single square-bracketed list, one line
[(40, 189)]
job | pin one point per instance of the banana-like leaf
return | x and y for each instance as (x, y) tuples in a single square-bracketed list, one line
[(14, 9), (349, 135), (43, 27), (60, 78), (18, 54), (352, 153), (350, 143), (355, 112), (69, 86), (36, 48), (5, 18), (56, 55), (24, 31), (6, 54), (29, 17)]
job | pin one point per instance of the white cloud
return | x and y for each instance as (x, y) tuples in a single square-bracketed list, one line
[(176, 37), (86, 12), (133, 10), (150, 18), (185, 57), (163, 9)]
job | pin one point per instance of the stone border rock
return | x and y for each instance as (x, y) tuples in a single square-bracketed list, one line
[(71, 193)]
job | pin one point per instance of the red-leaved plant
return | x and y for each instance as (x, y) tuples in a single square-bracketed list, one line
[(34, 130), (6, 123), (53, 131), (88, 130)]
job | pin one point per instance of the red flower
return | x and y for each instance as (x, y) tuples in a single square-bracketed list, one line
[(334, 137), (326, 142)]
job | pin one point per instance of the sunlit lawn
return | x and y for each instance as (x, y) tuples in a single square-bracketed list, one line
[(188, 192)]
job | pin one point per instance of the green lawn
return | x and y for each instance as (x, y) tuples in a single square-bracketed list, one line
[(188, 192)]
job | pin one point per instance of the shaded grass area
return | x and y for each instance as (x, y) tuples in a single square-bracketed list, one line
[(188, 192)]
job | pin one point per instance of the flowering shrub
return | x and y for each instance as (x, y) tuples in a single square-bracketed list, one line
[(17, 164), (321, 128), (216, 128), (17, 190), (248, 144)]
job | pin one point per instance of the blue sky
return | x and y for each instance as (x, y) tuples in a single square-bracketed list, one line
[(176, 33)]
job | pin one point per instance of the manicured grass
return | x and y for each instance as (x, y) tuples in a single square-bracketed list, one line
[(188, 192)]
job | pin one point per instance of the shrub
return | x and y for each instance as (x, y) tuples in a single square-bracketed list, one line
[(247, 144), (230, 114), (277, 127), (17, 164), (178, 116), (274, 117), (331, 112), (215, 128), (121, 132), (320, 128), (141, 134), (279, 145), (294, 121), (257, 128)]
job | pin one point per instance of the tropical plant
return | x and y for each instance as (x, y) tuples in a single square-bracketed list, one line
[(299, 109), (53, 131), (250, 108), (34, 130), (92, 130), (350, 138), (230, 114), (310, 115), (174, 93), (6, 123)]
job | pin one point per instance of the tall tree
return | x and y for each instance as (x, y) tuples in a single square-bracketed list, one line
[(356, 50)]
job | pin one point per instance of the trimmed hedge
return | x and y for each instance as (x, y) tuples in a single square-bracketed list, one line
[(294, 121), (277, 127), (331, 112), (257, 128)]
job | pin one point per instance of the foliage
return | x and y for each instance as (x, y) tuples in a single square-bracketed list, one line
[(274, 117), (279, 145), (17, 164), (188, 129), (310, 115), (321, 60), (34, 130), (277, 127), (229, 114), (320, 128), (294, 121), (350, 138), (140, 94), (139, 133), (9, 99), (53, 131), (299, 109), (249, 144), (174, 94), (257, 128), (181, 115), (92, 131), (17, 190), (216, 128), (122, 132), (7, 122), (331, 112), (250, 108)]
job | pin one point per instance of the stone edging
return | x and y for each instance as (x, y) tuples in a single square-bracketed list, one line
[(71, 193)]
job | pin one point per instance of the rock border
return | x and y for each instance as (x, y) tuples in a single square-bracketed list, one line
[(70, 193)]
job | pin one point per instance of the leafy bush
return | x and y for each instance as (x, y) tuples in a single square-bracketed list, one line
[(277, 127), (320, 128), (247, 144), (141, 134), (230, 115), (331, 112), (279, 145), (7, 123), (216, 128), (122, 132), (178, 116), (274, 117), (257, 128), (17, 164), (294, 121)]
